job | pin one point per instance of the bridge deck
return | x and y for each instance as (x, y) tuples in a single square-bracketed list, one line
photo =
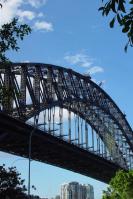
[(14, 136)]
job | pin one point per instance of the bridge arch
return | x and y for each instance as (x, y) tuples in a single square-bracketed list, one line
[(49, 86)]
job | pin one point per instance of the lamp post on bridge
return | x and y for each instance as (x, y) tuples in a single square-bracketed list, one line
[(36, 117)]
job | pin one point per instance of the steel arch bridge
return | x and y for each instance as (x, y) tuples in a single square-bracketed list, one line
[(88, 132)]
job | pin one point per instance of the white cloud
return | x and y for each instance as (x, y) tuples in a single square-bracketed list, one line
[(40, 14), (25, 61), (14, 8), (26, 14), (9, 10), (79, 59), (84, 60), (65, 114), (43, 25), (95, 69), (56, 116), (36, 3)]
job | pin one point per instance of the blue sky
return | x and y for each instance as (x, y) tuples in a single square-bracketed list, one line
[(71, 33)]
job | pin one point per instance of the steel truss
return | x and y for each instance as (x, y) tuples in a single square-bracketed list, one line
[(94, 121)]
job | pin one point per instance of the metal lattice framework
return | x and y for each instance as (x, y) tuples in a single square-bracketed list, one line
[(94, 121)]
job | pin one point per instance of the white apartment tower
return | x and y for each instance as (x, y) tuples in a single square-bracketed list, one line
[(74, 190)]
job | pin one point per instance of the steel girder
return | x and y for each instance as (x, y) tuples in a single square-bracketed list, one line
[(33, 87)]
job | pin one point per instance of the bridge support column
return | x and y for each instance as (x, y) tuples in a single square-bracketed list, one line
[(23, 90), (36, 87), (7, 100)]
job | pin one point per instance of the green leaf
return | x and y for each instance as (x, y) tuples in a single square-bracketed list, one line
[(106, 11), (125, 29), (112, 23), (121, 6), (113, 6), (128, 22), (101, 8), (131, 2), (119, 19)]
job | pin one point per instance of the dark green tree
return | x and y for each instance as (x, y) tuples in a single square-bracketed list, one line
[(120, 187), (122, 13), (9, 35), (11, 185)]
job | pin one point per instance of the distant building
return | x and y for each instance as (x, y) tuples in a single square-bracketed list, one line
[(74, 190), (57, 197), (88, 192), (44, 198), (70, 191)]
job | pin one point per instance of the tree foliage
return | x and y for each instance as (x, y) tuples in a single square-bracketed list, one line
[(11, 185), (120, 187), (9, 33), (123, 14)]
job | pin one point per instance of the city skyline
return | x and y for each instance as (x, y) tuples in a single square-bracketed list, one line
[(75, 35), (74, 190)]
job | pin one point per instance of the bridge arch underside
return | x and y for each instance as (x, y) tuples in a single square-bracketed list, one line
[(92, 130), (36, 88)]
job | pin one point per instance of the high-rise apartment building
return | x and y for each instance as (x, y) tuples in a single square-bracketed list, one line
[(87, 192), (70, 191), (74, 190)]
